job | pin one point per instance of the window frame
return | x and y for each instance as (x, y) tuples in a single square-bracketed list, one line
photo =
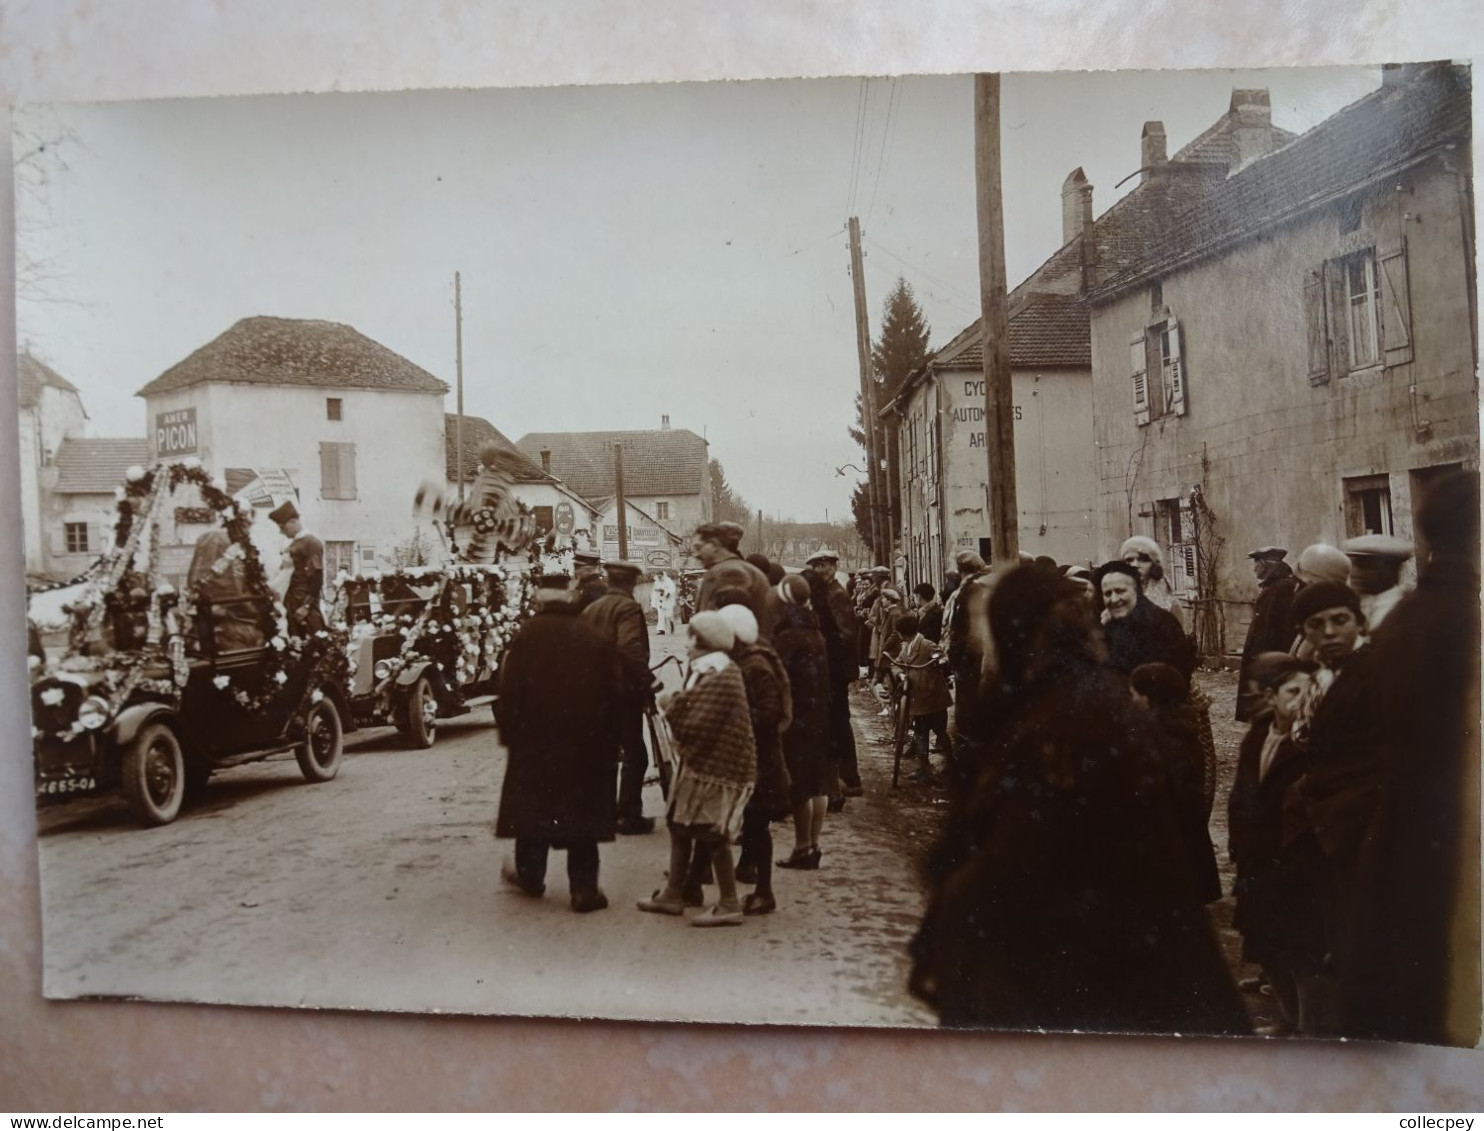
[(335, 408), (1357, 489), (68, 542), (1367, 260)]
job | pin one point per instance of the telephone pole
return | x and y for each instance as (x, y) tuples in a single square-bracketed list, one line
[(623, 508), (868, 388), (999, 400), (458, 352)]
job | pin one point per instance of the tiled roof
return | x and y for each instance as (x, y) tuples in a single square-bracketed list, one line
[(669, 461), (295, 351), (32, 376), (1219, 143), (1368, 141), (96, 467), (1047, 331), (478, 434)]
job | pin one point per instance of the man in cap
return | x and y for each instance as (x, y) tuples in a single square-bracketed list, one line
[(305, 555), (1410, 961), (714, 545), (588, 580), (844, 669), (1376, 562), (617, 617), (1271, 629), (563, 748)]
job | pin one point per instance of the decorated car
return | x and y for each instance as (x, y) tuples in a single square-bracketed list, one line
[(425, 642), (158, 688)]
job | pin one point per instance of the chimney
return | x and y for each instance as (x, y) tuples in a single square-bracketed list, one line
[(1151, 149), (546, 460), (1076, 205), (1252, 127), (1400, 74), (665, 422)]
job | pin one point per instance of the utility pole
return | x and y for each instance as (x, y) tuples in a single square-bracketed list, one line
[(868, 386), (458, 351), (623, 507), (999, 400), (760, 548)]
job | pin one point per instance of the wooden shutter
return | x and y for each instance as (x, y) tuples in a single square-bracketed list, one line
[(1396, 305), (347, 471), (1177, 370), (1338, 300), (1139, 365), (1314, 314), (96, 535), (329, 470)]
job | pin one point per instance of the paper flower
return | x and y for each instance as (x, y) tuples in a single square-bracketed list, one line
[(221, 682), (191, 463), (316, 695), (280, 678), (53, 696), (134, 474)]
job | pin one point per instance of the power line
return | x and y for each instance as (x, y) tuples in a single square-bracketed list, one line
[(942, 283), (886, 131), (957, 303), (860, 115)]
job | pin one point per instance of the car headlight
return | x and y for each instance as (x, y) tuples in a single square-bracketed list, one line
[(93, 713), (382, 669)]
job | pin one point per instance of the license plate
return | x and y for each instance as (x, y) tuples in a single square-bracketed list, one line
[(63, 786)]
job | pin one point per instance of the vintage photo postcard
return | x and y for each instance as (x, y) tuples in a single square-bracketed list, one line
[(983, 551)]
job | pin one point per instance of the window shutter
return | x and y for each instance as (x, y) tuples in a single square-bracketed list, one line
[(1396, 305), (1339, 324), (1139, 365), (347, 471), (95, 537), (1318, 328), (1177, 369), (329, 471)]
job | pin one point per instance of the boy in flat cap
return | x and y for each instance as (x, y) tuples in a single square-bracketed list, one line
[(306, 557), (1270, 630)]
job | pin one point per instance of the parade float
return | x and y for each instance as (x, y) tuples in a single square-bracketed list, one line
[(426, 641), (157, 688)]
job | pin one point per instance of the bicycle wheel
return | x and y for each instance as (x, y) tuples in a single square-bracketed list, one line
[(903, 728)]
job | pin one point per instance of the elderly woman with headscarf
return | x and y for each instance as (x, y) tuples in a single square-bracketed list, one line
[(1137, 631), (1063, 896), (1145, 556), (712, 725)]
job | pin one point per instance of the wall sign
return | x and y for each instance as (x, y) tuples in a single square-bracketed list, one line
[(175, 433)]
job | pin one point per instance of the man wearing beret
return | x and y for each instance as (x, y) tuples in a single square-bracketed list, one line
[(1327, 813), (844, 670), (617, 617), (1376, 562), (1270, 630), (306, 556)]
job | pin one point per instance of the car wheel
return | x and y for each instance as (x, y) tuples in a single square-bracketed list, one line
[(420, 714), (324, 743), (154, 776)]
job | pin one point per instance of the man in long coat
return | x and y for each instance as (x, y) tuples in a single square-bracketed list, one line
[(715, 546), (844, 670), (618, 618), (1270, 630), (560, 692)]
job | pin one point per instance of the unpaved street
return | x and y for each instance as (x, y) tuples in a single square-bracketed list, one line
[(380, 890)]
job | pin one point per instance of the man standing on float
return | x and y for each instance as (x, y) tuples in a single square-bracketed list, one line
[(306, 556)]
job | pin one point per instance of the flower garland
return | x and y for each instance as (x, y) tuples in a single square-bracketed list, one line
[(460, 639)]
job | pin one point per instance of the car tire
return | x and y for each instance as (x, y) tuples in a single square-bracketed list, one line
[(154, 775), (324, 743), (420, 714)]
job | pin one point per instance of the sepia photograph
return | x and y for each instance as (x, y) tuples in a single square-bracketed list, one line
[(988, 552)]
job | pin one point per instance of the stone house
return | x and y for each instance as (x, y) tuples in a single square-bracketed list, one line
[(49, 410), (1292, 356)]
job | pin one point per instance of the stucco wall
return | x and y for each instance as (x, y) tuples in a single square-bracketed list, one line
[(1054, 468), (1271, 450), (399, 438)]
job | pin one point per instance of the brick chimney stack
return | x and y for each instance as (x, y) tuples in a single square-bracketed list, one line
[(1252, 135), (665, 422), (1076, 205), (1151, 149), (546, 460)]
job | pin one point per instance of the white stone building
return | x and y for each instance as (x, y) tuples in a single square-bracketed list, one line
[(49, 411), (356, 427)]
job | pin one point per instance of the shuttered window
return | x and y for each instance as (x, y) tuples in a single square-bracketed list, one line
[(1138, 362), (1358, 310), (337, 470), (1318, 326), (1396, 306)]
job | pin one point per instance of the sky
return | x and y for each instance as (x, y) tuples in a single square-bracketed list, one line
[(625, 252)]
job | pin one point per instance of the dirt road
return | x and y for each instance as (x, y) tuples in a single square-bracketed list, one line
[(380, 890)]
